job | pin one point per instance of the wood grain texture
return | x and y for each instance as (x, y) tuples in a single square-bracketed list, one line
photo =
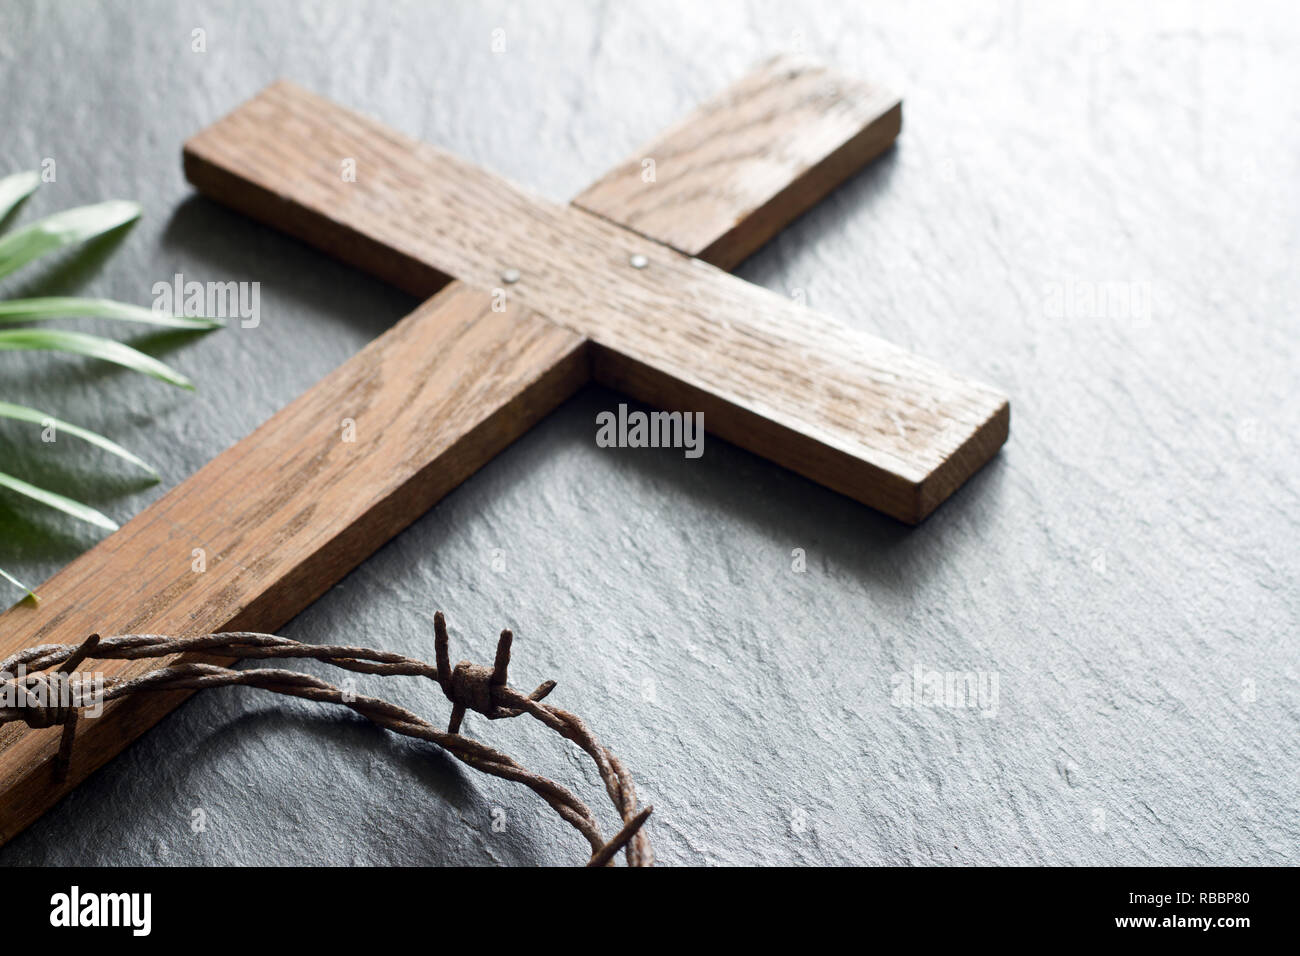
[(842, 407), (755, 157), (289, 510)]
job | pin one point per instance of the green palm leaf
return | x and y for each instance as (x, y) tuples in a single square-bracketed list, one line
[(53, 500), (29, 243), (14, 581), (52, 307), (14, 189), (79, 343), (24, 414), (63, 229)]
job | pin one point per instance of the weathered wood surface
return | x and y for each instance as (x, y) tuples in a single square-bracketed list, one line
[(286, 512)]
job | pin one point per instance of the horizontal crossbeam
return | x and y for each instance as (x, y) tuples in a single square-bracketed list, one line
[(842, 407)]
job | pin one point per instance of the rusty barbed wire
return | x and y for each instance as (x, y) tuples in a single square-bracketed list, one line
[(468, 686)]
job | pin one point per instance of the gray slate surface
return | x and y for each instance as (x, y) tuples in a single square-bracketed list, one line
[(1126, 567)]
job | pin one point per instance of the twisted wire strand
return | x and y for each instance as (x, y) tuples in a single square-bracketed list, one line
[(468, 686)]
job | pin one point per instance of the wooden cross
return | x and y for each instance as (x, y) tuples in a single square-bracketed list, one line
[(625, 286)]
